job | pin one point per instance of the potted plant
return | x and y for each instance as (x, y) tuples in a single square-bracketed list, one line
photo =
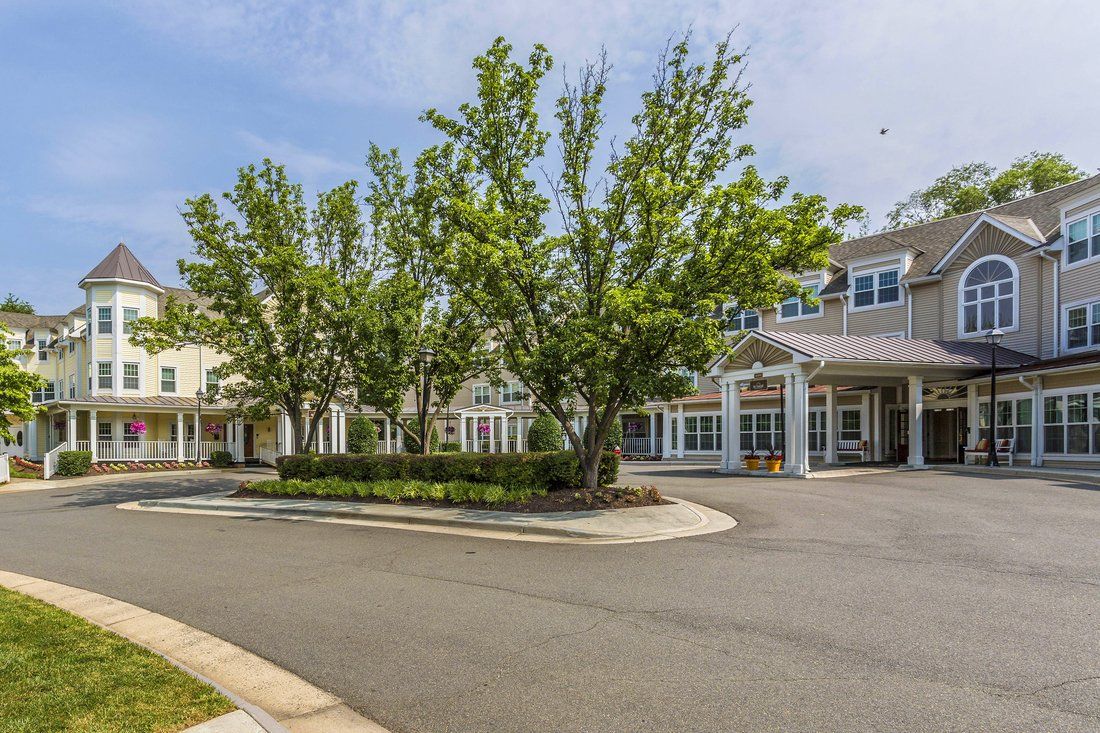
[(774, 461), (752, 460)]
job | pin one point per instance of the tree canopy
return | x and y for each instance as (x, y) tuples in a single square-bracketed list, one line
[(974, 186), (601, 313), (287, 293), (14, 304), (16, 385)]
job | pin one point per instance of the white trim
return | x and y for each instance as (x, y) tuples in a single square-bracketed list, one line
[(124, 281), (962, 333), (1090, 233), (964, 240), (807, 281), (1063, 339), (160, 380), (893, 335), (874, 275), (473, 394)]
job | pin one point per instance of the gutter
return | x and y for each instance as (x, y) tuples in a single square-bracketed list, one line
[(908, 311), (844, 313), (1036, 424), (1057, 296)]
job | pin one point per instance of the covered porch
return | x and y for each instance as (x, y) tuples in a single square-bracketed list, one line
[(894, 377)]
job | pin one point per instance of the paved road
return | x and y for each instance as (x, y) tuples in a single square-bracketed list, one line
[(899, 602)]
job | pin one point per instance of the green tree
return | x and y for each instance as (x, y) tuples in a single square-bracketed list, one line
[(16, 385), (362, 435), (975, 186), (412, 444), (602, 314), (614, 437), (421, 314), (287, 293), (15, 304), (544, 434)]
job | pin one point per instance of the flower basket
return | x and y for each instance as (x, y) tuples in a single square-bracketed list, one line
[(215, 430), (138, 428)]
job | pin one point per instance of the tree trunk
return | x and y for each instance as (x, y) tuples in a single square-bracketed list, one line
[(295, 430), (591, 468)]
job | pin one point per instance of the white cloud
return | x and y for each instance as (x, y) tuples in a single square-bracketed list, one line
[(310, 167), (102, 151)]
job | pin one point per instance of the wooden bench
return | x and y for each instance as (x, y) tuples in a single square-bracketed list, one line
[(1005, 448), (853, 446)]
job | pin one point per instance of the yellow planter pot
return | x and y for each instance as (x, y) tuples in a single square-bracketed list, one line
[(752, 464), (774, 466)]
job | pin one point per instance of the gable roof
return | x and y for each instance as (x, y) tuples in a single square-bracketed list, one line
[(1036, 217), (28, 321), (121, 264)]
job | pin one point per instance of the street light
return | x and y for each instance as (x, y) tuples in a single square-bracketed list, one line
[(426, 355), (993, 337), (199, 394)]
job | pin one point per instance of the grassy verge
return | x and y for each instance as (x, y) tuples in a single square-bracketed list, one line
[(397, 490), (59, 672)]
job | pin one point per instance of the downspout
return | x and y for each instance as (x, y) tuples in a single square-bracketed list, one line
[(1057, 298), (1036, 420), (908, 311), (811, 375), (844, 313)]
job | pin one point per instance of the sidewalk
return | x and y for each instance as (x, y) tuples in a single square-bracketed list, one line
[(1081, 475), (68, 483), (603, 526)]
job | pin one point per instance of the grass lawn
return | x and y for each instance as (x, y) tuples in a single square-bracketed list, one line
[(59, 672)]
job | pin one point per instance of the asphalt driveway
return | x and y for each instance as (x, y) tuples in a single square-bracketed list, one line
[(915, 602)]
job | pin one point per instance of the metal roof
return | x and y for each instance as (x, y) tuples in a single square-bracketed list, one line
[(886, 349), (121, 264)]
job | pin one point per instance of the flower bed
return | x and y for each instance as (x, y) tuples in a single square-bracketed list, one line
[(139, 466)]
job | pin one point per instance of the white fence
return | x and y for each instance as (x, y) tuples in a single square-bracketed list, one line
[(5, 469), (150, 450), (484, 445), (641, 446), (49, 462)]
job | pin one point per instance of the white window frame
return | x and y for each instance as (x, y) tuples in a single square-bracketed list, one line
[(715, 432), (100, 320), (960, 304), (689, 374), (127, 322), (807, 283), (175, 380), (109, 376), (43, 349), (511, 392), (1090, 306), (1014, 428), (891, 335), (775, 429), (875, 274), (841, 412), (210, 378), (105, 431), (72, 386), (1092, 239), (1092, 417), (740, 318), (486, 389), (136, 376)]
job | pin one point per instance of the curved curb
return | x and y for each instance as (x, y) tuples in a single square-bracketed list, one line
[(106, 478), (278, 700), (554, 527)]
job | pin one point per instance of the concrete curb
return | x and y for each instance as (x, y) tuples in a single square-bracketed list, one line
[(68, 483), (275, 698), (1022, 472), (606, 526)]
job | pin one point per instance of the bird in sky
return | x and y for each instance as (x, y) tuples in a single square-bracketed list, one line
[(884, 130)]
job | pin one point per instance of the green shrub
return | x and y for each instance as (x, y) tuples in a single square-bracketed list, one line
[(412, 445), (614, 437), (396, 490), (74, 462), (541, 471), (545, 434), (451, 447), (362, 436), (221, 459)]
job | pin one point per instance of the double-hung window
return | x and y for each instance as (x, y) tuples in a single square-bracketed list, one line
[(212, 382), (106, 380), (43, 354), (1071, 423), (792, 308), (104, 323), (1013, 421), (1083, 239), (988, 296), (703, 432), (72, 386), (851, 427), (876, 288), (129, 315), (130, 378), (816, 431), (511, 392), (762, 430), (168, 380), (741, 319), (482, 395), (104, 431), (1083, 325)]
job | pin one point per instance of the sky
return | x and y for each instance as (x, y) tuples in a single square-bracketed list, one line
[(114, 113)]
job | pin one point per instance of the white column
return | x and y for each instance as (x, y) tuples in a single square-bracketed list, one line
[(238, 440), (788, 420), (733, 430), (876, 425), (492, 434), (680, 430), (865, 417), (198, 437), (1037, 438), (400, 438), (830, 424), (652, 433), (334, 421), (387, 432), (93, 432), (521, 434), (916, 422), (724, 390), (461, 431), (666, 433), (973, 428), (319, 438), (70, 432), (179, 436), (799, 461)]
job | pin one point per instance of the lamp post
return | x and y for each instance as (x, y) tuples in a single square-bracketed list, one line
[(199, 394), (993, 337), (426, 355)]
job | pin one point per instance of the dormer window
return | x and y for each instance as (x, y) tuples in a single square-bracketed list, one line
[(793, 308), (987, 296), (876, 288), (738, 319), (1083, 239)]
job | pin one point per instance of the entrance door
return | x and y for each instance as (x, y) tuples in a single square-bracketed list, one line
[(942, 435), (249, 440)]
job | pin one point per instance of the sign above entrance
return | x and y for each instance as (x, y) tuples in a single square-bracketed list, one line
[(758, 384)]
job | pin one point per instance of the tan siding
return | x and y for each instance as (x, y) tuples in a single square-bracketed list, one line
[(831, 320), (878, 321), (1076, 379), (927, 310), (1080, 283)]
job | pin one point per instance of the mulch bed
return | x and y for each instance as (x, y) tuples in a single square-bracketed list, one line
[(573, 500)]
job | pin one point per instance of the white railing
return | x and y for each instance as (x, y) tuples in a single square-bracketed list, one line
[(206, 447), (641, 446), (49, 462), (326, 446), (268, 456), (387, 446), (5, 469), (136, 450), (496, 445), (84, 445)]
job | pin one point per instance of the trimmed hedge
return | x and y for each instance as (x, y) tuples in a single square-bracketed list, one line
[(545, 434), (397, 490), (539, 471), (221, 459), (362, 435), (450, 448), (74, 462)]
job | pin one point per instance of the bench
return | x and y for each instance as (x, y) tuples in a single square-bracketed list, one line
[(858, 447), (1005, 448)]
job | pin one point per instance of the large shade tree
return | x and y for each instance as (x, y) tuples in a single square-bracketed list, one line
[(974, 186), (16, 385), (421, 316), (285, 292), (603, 311)]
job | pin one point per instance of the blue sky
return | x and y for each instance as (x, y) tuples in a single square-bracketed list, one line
[(114, 113)]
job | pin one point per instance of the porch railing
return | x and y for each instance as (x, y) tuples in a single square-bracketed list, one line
[(641, 446), (496, 445), (136, 450), (206, 447), (268, 456), (5, 469), (387, 446), (326, 446), (49, 462)]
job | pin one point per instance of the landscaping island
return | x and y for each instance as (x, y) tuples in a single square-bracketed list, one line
[(511, 482), (62, 673)]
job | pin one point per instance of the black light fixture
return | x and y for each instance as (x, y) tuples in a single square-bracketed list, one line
[(426, 355), (993, 338), (199, 394)]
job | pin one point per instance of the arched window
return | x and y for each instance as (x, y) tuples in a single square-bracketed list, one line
[(988, 295)]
